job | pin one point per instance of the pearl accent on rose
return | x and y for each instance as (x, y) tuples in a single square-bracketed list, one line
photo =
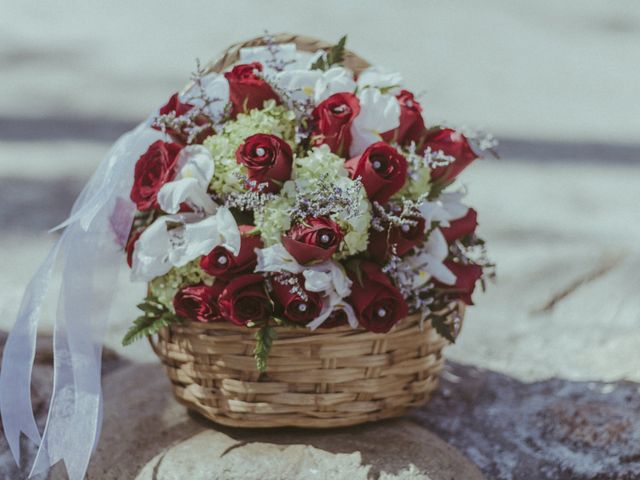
[(409, 103), (324, 238), (405, 228), (382, 312), (377, 164), (260, 151), (222, 260), (302, 307)]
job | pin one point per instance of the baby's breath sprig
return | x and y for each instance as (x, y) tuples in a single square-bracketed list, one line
[(252, 199), (327, 199), (397, 213), (292, 281)]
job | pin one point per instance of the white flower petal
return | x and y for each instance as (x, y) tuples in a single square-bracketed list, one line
[(276, 259), (316, 281), (379, 113), (216, 88), (334, 80), (186, 190), (380, 78)]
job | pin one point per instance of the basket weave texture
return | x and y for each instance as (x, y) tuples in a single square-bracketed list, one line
[(319, 379)]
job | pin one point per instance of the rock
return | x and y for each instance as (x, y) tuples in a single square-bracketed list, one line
[(147, 434), (548, 430)]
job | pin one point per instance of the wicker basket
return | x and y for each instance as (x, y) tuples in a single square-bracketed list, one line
[(320, 379)]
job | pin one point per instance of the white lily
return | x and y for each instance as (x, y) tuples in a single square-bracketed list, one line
[(444, 209), (175, 240), (327, 278), (376, 77), (379, 113), (429, 261), (216, 89), (195, 170), (316, 85)]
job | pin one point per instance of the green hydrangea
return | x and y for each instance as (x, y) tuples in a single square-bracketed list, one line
[(165, 287), (273, 220), (418, 183), (272, 119), (318, 163)]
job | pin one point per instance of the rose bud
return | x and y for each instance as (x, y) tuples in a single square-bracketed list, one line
[(268, 160), (454, 144), (313, 241), (293, 306), (382, 169), (411, 122), (377, 303), (461, 227), (131, 244), (245, 300), (404, 237), (247, 90), (338, 318), (221, 263), (154, 168), (466, 278), (199, 302), (178, 109), (332, 119)]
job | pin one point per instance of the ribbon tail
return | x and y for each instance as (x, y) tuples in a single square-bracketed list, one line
[(18, 357)]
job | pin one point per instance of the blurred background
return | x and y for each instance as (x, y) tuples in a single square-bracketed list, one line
[(557, 82)]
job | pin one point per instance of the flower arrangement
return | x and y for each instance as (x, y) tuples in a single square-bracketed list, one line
[(289, 191)]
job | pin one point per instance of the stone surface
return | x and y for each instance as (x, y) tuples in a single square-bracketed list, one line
[(147, 433), (548, 430)]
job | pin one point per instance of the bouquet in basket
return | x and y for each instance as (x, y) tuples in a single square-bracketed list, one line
[(290, 191)]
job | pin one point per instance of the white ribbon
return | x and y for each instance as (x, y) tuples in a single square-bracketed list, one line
[(90, 258)]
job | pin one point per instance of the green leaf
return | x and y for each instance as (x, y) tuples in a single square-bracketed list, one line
[(264, 340), (444, 327), (353, 265), (333, 56), (144, 326)]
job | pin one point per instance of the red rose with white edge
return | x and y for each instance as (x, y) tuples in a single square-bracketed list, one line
[(268, 160), (462, 227), (294, 306), (223, 264), (247, 91), (313, 241), (411, 122), (245, 300), (154, 168), (378, 304), (199, 302), (454, 144), (403, 237), (332, 119), (382, 170), (466, 278)]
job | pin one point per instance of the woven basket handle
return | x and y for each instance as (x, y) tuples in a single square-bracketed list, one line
[(302, 42)]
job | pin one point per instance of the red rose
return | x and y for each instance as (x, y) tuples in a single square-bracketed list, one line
[(246, 90), (404, 238), (199, 302), (175, 106), (154, 168), (462, 227), (332, 119), (221, 263), (338, 318), (377, 303), (411, 122), (313, 241), (466, 278), (294, 306), (382, 169), (454, 144), (245, 300), (131, 244), (268, 160)]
